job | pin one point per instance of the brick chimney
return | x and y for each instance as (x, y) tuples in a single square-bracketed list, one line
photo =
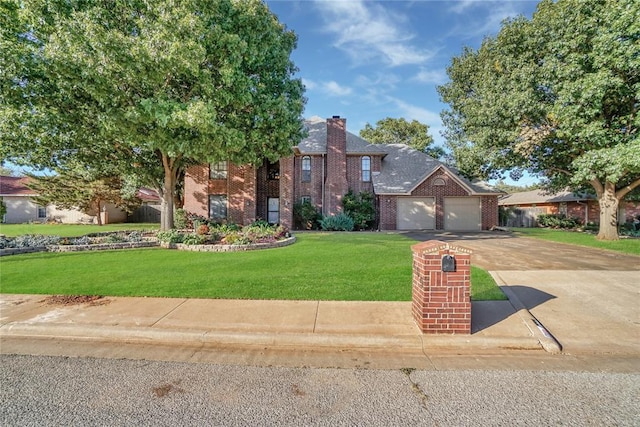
[(336, 178)]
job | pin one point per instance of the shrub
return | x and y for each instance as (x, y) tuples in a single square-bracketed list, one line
[(340, 222), (170, 236), (202, 229), (34, 240), (193, 239), (557, 221), (361, 208), (181, 219), (306, 216)]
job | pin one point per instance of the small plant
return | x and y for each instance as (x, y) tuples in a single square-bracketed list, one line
[(340, 222), (33, 240), (193, 239), (170, 236), (202, 230)]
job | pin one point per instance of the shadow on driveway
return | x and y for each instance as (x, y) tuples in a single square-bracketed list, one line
[(485, 314)]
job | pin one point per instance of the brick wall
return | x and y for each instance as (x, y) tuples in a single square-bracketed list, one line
[(312, 188), (196, 190), (336, 179), (441, 301), (489, 209)]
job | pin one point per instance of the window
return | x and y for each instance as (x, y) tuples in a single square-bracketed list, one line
[(306, 169), (42, 212), (366, 168), (273, 171), (218, 170), (305, 199), (218, 207), (438, 182)]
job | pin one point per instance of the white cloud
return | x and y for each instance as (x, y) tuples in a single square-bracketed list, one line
[(430, 76), (332, 88), (367, 32), (309, 84), (483, 18)]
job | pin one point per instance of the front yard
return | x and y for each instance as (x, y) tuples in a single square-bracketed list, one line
[(320, 266)]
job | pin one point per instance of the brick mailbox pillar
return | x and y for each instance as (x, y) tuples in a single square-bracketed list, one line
[(441, 288)]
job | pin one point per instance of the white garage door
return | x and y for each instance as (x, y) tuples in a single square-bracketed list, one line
[(462, 213), (416, 213)]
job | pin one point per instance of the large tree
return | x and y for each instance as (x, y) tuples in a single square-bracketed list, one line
[(151, 87), (557, 95), (399, 131)]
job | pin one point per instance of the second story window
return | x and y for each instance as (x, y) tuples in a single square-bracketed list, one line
[(218, 170), (366, 168), (306, 169)]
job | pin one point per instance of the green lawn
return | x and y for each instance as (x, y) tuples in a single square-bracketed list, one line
[(69, 230), (626, 245), (319, 266)]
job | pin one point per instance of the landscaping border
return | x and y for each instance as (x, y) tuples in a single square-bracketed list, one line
[(229, 248)]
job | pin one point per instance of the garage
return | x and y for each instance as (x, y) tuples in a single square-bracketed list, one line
[(416, 213), (462, 213)]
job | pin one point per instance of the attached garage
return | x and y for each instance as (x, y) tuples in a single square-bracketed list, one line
[(462, 213), (416, 213)]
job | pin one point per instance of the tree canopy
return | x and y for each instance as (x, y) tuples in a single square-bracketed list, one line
[(149, 87), (557, 95), (400, 131)]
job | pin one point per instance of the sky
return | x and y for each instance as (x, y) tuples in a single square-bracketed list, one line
[(366, 60)]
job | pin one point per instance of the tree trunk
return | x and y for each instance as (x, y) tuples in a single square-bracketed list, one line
[(167, 194), (608, 213), (99, 216)]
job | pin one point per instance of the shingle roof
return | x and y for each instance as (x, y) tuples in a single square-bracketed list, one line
[(15, 186), (316, 141), (541, 196), (404, 168)]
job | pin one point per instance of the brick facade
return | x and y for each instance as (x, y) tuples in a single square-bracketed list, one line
[(333, 174), (441, 301)]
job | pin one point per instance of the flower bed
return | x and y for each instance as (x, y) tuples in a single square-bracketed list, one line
[(229, 248)]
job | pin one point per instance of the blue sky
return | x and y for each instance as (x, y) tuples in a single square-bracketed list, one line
[(366, 60)]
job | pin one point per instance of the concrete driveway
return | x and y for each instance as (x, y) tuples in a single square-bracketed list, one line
[(494, 250), (586, 298)]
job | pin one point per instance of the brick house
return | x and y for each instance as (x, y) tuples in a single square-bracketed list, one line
[(412, 190)]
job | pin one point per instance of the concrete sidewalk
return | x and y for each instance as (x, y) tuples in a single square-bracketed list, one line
[(309, 325)]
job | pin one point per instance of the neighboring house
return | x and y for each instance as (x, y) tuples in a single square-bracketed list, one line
[(524, 207), (21, 208), (412, 190)]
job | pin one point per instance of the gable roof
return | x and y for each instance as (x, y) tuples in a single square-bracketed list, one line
[(541, 196), (316, 140), (15, 186), (404, 168)]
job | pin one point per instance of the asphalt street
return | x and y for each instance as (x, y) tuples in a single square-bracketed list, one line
[(62, 391)]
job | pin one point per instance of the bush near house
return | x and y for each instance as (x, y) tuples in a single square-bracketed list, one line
[(360, 208), (340, 222), (558, 221), (306, 216)]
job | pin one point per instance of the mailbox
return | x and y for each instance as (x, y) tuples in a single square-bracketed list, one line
[(448, 263)]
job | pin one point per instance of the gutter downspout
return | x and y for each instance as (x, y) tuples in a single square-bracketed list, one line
[(586, 211), (323, 174)]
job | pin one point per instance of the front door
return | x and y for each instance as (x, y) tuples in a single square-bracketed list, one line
[(273, 213)]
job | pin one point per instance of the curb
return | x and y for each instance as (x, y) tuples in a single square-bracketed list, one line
[(546, 339), (418, 344)]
